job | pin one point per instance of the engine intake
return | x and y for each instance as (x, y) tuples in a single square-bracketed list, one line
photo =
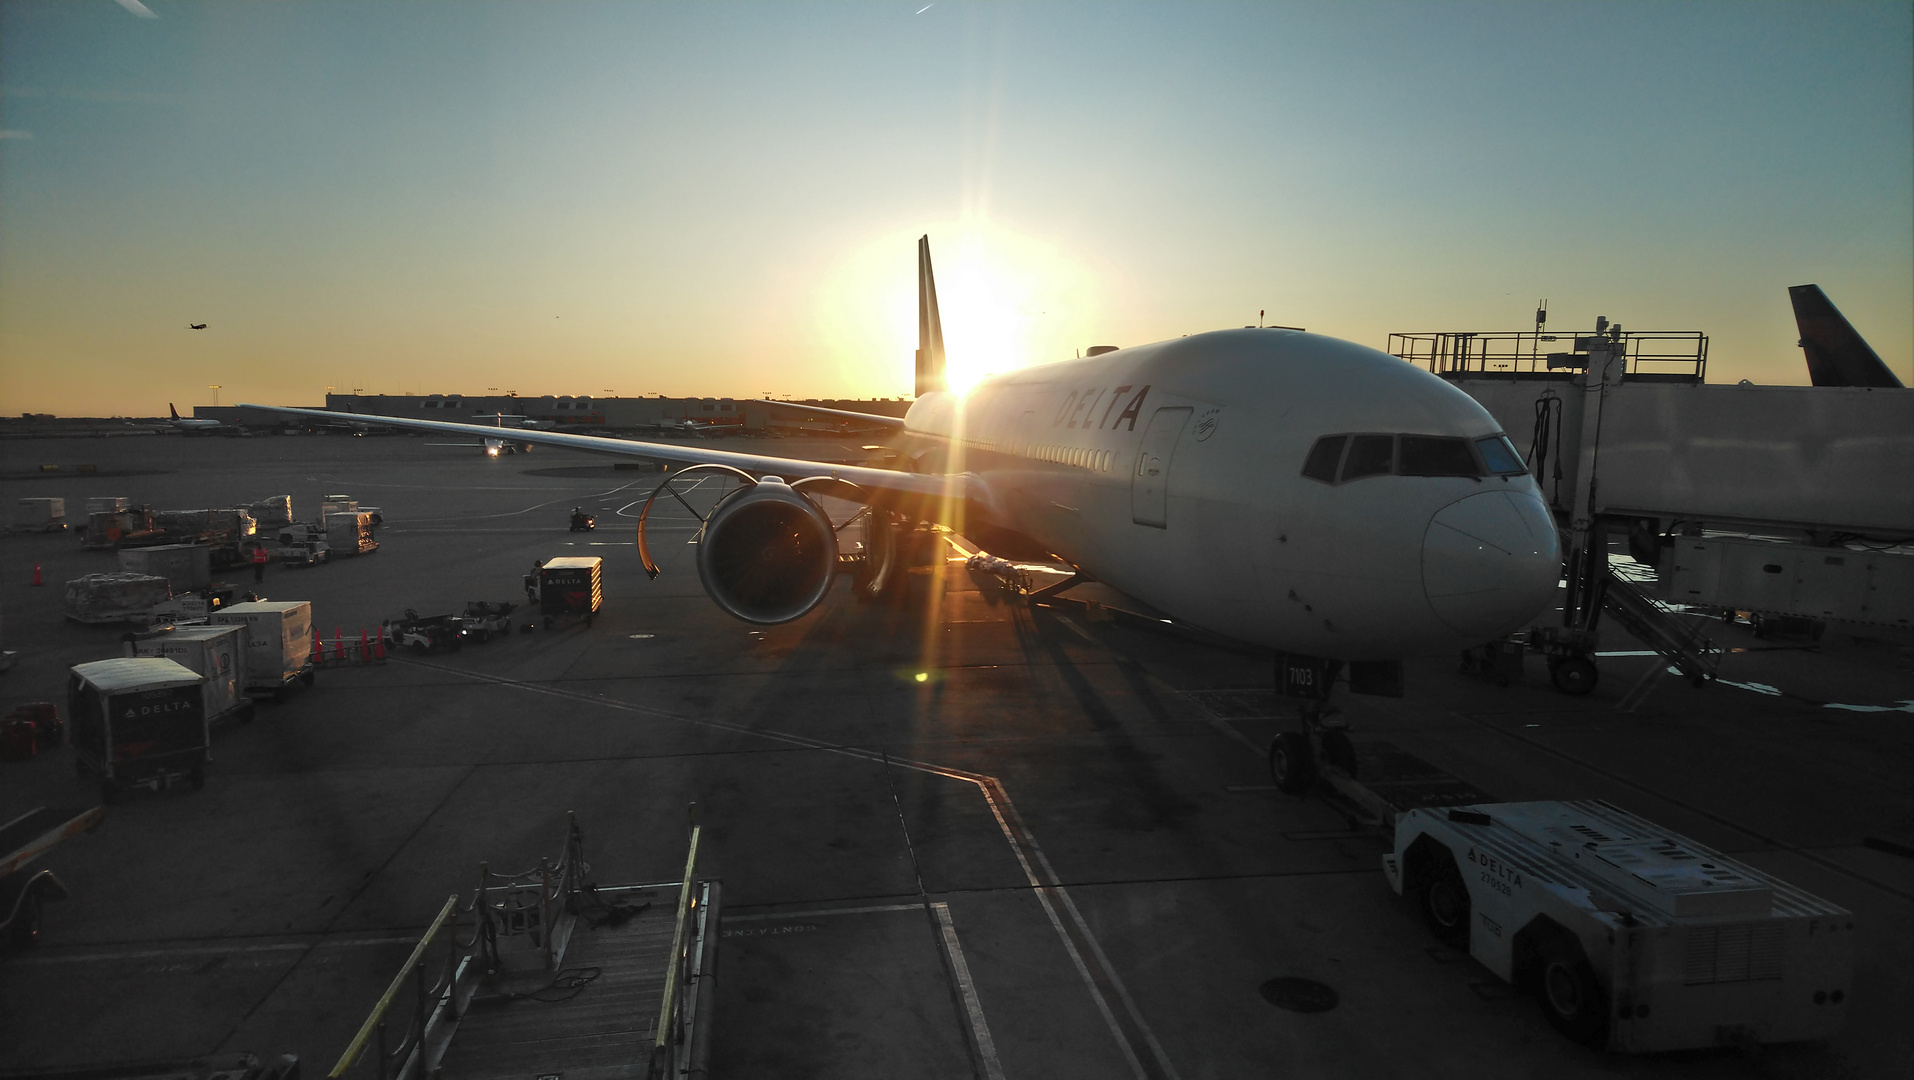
[(767, 554)]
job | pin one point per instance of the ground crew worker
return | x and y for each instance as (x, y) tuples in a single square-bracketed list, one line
[(531, 583), (259, 563)]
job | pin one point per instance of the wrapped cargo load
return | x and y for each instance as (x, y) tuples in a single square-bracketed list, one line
[(274, 513), (106, 504), (278, 642), (108, 598), (186, 566)]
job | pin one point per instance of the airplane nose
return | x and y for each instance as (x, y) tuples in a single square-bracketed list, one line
[(1490, 562)]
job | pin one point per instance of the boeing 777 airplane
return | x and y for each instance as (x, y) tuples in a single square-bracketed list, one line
[(1278, 487)]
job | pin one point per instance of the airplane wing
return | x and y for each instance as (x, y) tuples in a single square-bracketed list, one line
[(941, 498), (894, 422)]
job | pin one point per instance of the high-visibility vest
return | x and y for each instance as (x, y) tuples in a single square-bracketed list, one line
[(260, 556)]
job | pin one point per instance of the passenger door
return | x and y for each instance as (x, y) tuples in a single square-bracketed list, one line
[(1150, 482)]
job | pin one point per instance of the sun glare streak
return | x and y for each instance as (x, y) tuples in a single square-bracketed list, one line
[(1008, 301)]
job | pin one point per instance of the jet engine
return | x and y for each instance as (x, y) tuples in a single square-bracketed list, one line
[(768, 553)]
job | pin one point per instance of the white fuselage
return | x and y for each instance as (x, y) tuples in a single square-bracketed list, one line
[(1174, 472)]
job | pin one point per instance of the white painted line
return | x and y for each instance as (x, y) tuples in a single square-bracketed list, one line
[(769, 915), (986, 1047), (208, 950)]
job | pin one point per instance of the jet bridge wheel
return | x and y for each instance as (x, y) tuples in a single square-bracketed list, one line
[(1574, 675), (1291, 765)]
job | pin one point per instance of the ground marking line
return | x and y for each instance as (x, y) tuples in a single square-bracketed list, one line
[(769, 915), (1048, 887), (210, 950), (986, 1046), (1637, 695)]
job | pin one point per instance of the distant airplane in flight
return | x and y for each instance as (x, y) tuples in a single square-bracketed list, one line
[(1287, 489), (196, 326)]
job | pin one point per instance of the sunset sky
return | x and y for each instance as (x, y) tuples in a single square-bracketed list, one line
[(722, 199)]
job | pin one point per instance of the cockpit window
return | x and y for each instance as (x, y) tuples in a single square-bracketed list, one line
[(1432, 455), (1500, 456), (1369, 455), (1324, 457)]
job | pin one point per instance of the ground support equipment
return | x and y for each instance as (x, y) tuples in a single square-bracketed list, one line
[(1631, 937), (22, 891)]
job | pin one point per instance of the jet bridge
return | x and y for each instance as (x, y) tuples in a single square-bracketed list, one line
[(1624, 435)]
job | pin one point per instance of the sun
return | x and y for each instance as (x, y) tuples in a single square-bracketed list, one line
[(1008, 300)]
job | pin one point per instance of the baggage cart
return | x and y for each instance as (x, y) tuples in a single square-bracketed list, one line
[(484, 620), (1632, 938), (138, 722), (426, 633), (350, 534), (278, 643), (570, 588), (40, 514), (218, 653)]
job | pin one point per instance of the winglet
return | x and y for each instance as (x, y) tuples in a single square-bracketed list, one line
[(930, 328), (1837, 355)]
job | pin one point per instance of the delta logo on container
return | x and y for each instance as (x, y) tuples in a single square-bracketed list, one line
[(157, 708)]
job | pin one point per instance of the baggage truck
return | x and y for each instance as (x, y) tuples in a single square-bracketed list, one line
[(301, 545), (570, 587), (278, 643), (184, 566), (138, 722), (217, 653), (350, 534), (1633, 938)]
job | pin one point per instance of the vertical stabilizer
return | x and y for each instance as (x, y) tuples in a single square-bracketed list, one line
[(930, 328), (1837, 356)]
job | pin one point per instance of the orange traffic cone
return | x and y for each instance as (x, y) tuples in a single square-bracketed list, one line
[(378, 647), (338, 645), (36, 575), (318, 651), (365, 647)]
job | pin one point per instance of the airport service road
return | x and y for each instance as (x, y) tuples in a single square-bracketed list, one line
[(1055, 855)]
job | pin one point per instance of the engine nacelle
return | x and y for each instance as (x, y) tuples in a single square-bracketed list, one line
[(768, 554)]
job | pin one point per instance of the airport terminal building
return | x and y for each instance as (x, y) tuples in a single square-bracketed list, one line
[(597, 413)]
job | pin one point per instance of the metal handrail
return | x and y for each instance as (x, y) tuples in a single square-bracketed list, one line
[(667, 1010), (1666, 352), (376, 1021)]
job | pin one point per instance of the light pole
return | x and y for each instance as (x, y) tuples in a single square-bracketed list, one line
[(214, 387)]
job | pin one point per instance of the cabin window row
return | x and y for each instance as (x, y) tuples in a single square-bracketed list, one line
[(1082, 457), (1341, 458)]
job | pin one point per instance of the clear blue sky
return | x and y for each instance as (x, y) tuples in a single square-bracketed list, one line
[(722, 198)]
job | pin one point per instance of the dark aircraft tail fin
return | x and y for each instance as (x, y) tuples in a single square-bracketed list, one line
[(1837, 356), (170, 409), (930, 328)]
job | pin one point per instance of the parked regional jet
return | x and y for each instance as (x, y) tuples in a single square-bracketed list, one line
[(1283, 488)]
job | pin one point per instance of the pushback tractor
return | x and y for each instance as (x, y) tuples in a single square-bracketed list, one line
[(1632, 938)]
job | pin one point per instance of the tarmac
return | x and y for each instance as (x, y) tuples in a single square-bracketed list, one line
[(959, 837)]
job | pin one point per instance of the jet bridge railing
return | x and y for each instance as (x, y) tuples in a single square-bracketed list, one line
[(1657, 355), (674, 1039), (431, 1008)]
